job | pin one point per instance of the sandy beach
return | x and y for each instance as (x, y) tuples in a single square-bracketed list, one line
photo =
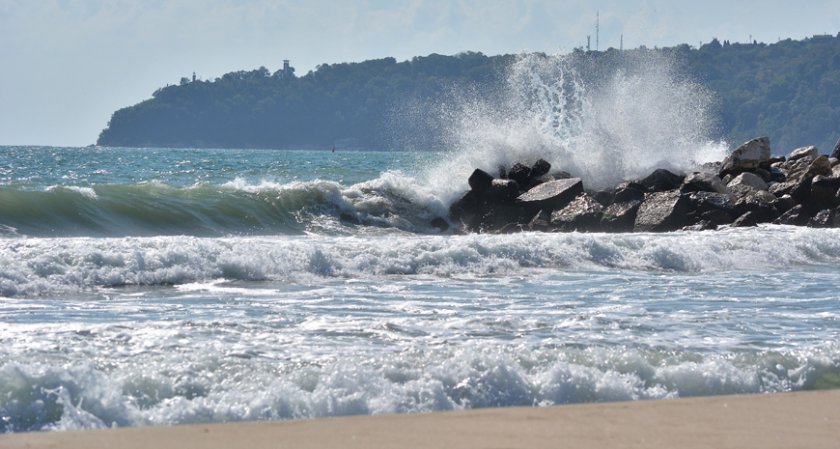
[(804, 419)]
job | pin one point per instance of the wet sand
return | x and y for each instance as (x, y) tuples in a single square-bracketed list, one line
[(788, 420)]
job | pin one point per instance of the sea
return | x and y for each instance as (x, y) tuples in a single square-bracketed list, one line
[(146, 287), (163, 286)]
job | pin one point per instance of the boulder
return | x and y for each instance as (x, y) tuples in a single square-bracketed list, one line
[(797, 216), (824, 192), (799, 153), (711, 206), (582, 214), (776, 175), (520, 173), (629, 191), (550, 196), (822, 219), (662, 211), (480, 180), (798, 171), (605, 197), (750, 155), (540, 222), (761, 202), (620, 217), (501, 191), (703, 182), (746, 182), (661, 180), (750, 218), (540, 168)]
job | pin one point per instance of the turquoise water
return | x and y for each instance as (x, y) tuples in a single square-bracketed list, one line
[(157, 287)]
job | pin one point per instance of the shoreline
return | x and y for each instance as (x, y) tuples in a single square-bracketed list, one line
[(779, 420)]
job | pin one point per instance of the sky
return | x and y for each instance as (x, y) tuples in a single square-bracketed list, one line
[(67, 65)]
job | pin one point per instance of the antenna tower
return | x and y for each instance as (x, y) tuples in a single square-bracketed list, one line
[(597, 29)]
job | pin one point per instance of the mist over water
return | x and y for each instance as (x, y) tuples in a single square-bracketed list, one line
[(602, 121)]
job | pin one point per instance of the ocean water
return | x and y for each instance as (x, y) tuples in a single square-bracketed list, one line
[(169, 286)]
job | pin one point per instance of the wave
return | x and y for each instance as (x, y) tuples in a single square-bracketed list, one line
[(209, 386), (37, 266), (392, 200)]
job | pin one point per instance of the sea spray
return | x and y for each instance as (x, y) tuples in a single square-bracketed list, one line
[(604, 121)]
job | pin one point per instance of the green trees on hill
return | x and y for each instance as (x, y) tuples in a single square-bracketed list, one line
[(789, 90)]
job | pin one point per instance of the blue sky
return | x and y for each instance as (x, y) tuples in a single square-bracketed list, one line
[(66, 65)]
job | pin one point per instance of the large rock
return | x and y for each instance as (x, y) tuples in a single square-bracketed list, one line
[(662, 211), (718, 208), (550, 196), (761, 203), (620, 216), (480, 180), (703, 182), (824, 192), (629, 191), (520, 173), (811, 152), (746, 182), (748, 156), (799, 171), (540, 168), (661, 180), (797, 216), (582, 214), (822, 219)]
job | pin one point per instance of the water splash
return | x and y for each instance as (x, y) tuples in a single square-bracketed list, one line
[(606, 120)]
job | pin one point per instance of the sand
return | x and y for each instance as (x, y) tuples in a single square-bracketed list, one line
[(788, 420)]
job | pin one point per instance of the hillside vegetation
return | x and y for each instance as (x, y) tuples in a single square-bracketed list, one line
[(789, 90)]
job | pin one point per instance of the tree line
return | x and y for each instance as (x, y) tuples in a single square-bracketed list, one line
[(789, 90)]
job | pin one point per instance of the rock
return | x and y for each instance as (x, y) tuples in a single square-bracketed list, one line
[(836, 153), (762, 173), (703, 182), (799, 153), (748, 156), (800, 191), (824, 192), (440, 224), (784, 203), (761, 202), (797, 216), (620, 216), (662, 211), (540, 222), (480, 180), (520, 173), (502, 172), (502, 191), (582, 214), (776, 175), (629, 191), (560, 174), (822, 219), (746, 182), (798, 171), (550, 196), (750, 218), (605, 197), (540, 168), (712, 206), (661, 180)]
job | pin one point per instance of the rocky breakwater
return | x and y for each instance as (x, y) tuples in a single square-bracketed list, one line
[(749, 187)]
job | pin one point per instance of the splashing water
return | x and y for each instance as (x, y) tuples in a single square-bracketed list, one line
[(604, 121)]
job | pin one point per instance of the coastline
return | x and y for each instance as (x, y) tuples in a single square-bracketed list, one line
[(781, 420)]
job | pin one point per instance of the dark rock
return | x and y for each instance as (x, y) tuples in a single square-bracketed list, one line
[(748, 156), (540, 168), (761, 203), (502, 191), (661, 180), (716, 216), (520, 173), (763, 174), (824, 192), (440, 224), (822, 219), (582, 214), (480, 180), (620, 217), (703, 182), (467, 211), (776, 175), (784, 203), (502, 172), (662, 211), (605, 197), (800, 191), (836, 153), (797, 216), (550, 196), (750, 218), (629, 191), (540, 222), (717, 207)]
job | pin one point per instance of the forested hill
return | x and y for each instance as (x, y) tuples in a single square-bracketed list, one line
[(788, 90)]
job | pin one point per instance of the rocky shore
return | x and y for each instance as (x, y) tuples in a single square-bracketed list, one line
[(747, 188)]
